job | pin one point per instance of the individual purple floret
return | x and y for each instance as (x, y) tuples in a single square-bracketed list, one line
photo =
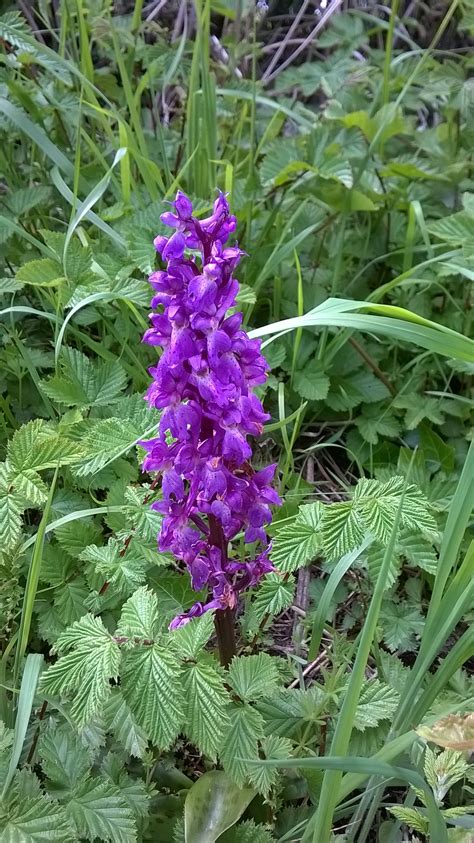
[(204, 382)]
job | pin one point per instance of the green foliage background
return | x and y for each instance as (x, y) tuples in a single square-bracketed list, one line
[(350, 170)]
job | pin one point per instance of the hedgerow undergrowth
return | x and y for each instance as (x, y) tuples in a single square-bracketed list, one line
[(241, 610)]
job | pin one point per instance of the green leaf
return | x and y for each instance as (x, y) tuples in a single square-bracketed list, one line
[(375, 557), (247, 832), (253, 677), (29, 816), (119, 569), (377, 702), (41, 273), (75, 536), (139, 618), (411, 817), (84, 382), (106, 441), (151, 686), (64, 761), (241, 741), (205, 707), (90, 660), (312, 383), (342, 529), (12, 504), (402, 623), (97, 810), (298, 543), (189, 639), (38, 445), (120, 721), (264, 778), (213, 804), (454, 229), (273, 595)]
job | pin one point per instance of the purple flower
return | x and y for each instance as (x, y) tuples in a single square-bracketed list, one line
[(204, 383)]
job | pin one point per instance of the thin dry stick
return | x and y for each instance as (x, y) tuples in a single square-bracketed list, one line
[(286, 39), (307, 41)]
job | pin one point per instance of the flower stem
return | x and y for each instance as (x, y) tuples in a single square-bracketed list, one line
[(224, 624)]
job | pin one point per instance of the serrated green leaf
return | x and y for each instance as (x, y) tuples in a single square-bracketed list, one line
[(77, 535), (454, 229), (139, 618), (89, 659), (120, 721), (312, 383), (189, 639), (64, 760), (41, 273), (247, 832), (377, 702), (31, 817), (107, 440), (264, 778), (253, 677), (241, 741), (97, 810), (273, 595), (205, 707), (342, 529), (84, 382), (37, 446), (375, 557), (402, 624), (295, 545), (411, 817), (151, 686), (119, 568)]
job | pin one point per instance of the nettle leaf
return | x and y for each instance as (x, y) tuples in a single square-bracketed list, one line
[(273, 595), (151, 686), (64, 760), (241, 741), (38, 445), (77, 535), (298, 543), (247, 832), (97, 810), (411, 817), (373, 509), (84, 382), (418, 551), (89, 659), (312, 383), (375, 557), (139, 618), (377, 702), (342, 529), (188, 640), (106, 440), (41, 273), (264, 778), (253, 677), (205, 707), (120, 721), (402, 624), (29, 816), (118, 568), (12, 506)]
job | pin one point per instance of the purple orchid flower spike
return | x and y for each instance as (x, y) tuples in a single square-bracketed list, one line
[(204, 383)]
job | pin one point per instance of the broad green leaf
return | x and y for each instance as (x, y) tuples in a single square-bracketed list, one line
[(377, 702), (139, 618), (253, 677), (192, 637), (205, 707), (41, 273), (312, 384), (64, 761), (98, 811), (240, 743), (89, 659), (31, 817), (273, 595), (151, 686), (213, 804), (121, 722)]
